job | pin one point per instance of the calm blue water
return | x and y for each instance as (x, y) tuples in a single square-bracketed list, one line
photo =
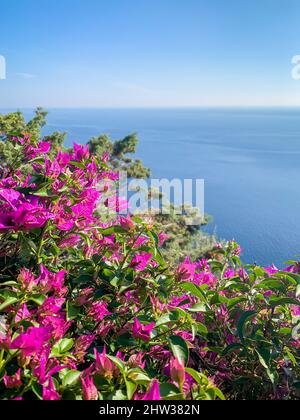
[(250, 160)]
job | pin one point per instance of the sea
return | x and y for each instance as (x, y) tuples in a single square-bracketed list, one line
[(249, 159)]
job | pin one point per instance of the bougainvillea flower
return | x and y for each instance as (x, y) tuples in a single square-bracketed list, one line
[(13, 381), (32, 341), (22, 214), (271, 270), (50, 393), (103, 365), (57, 324), (46, 366), (205, 278), (177, 371), (126, 223), (22, 314), (32, 152), (82, 344), (140, 261), (154, 392), (141, 331), (81, 152), (51, 306), (136, 360), (186, 271), (295, 311), (99, 311), (89, 390), (49, 281), (229, 274), (11, 197)]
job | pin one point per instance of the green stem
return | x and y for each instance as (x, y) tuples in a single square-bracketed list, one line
[(41, 244)]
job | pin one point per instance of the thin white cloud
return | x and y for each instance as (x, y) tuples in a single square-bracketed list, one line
[(26, 76)]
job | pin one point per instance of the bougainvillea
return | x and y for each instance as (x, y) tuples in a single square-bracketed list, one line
[(90, 310)]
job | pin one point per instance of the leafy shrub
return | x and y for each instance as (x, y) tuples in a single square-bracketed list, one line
[(89, 309)]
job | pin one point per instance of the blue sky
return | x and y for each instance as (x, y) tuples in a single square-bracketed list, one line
[(147, 53)]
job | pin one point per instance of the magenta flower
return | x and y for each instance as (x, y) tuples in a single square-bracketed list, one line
[(32, 152), (90, 392), (27, 279), (154, 392), (136, 360), (186, 271), (50, 393), (140, 261), (46, 367), (82, 344), (52, 169), (142, 332), (20, 213), (162, 237), (103, 365), (205, 278), (13, 381), (204, 265), (57, 325), (32, 341), (295, 311), (271, 270), (229, 274), (99, 311), (70, 242), (81, 152), (22, 313), (177, 371), (51, 306), (54, 282)]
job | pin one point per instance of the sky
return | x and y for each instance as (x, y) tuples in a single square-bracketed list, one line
[(149, 53)]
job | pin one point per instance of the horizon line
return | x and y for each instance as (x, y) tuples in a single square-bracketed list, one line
[(154, 107)]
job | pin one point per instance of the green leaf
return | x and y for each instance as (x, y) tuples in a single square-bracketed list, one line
[(38, 299), (194, 290), (264, 358), (198, 377), (118, 396), (180, 349), (65, 345), (231, 348), (283, 302), (71, 378), (291, 357), (235, 301), (197, 308), (118, 362), (202, 328), (271, 284), (246, 316), (72, 312), (130, 388), (38, 390), (138, 376), (8, 302), (167, 390), (113, 230), (220, 394), (168, 318)]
